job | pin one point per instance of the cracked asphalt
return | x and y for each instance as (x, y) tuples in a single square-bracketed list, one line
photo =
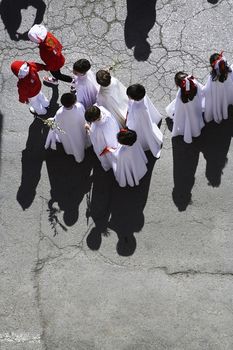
[(86, 265)]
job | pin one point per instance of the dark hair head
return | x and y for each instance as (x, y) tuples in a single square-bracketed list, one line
[(68, 99), (103, 77), (81, 66), (214, 58), (92, 114), (179, 77), (221, 73), (136, 92), (180, 80), (126, 137)]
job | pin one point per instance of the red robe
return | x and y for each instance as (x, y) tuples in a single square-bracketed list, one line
[(51, 53), (29, 86)]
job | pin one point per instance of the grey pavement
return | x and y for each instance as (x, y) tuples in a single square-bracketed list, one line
[(86, 265)]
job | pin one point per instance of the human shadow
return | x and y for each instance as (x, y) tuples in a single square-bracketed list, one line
[(33, 156), (32, 159), (69, 182), (99, 203), (213, 1), (141, 17), (214, 143), (1, 127), (185, 161), (120, 209), (127, 210), (10, 11)]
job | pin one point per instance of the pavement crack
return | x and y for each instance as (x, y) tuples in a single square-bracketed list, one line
[(36, 278), (192, 272)]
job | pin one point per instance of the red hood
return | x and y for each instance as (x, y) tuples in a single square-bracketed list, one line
[(15, 67)]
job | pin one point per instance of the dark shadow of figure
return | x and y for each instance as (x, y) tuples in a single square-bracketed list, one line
[(185, 161), (10, 11), (141, 17), (214, 143), (99, 203), (1, 127), (169, 123), (213, 1), (33, 156), (124, 205), (69, 182), (127, 210)]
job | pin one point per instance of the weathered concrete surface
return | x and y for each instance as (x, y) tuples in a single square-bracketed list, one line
[(160, 277)]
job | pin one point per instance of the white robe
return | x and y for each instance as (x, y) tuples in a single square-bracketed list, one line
[(218, 96), (187, 117), (103, 134), (129, 164), (143, 118), (74, 139), (170, 109), (114, 98), (86, 89)]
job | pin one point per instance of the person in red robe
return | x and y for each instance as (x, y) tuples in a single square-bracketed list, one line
[(29, 85), (50, 52)]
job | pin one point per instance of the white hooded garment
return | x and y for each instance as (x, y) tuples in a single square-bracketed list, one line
[(37, 33), (218, 96), (114, 98), (23, 71), (74, 138), (103, 134), (86, 89), (187, 117), (129, 164), (143, 118)]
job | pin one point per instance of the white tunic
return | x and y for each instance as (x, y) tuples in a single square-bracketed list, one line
[(86, 89), (129, 164), (187, 117), (114, 98), (74, 139), (143, 118), (103, 134), (218, 96)]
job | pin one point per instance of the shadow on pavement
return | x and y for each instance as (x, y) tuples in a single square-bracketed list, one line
[(185, 161), (69, 182), (10, 11), (32, 159), (120, 209), (214, 143), (141, 17), (33, 156)]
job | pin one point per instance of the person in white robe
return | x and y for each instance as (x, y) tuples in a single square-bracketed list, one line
[(84, 84), (143, 117), (186, 109), (70, 130), (112, 96), (218, 90), (129, 159), (103, 129)]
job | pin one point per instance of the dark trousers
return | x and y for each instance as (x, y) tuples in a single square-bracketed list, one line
[(59, 76)]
